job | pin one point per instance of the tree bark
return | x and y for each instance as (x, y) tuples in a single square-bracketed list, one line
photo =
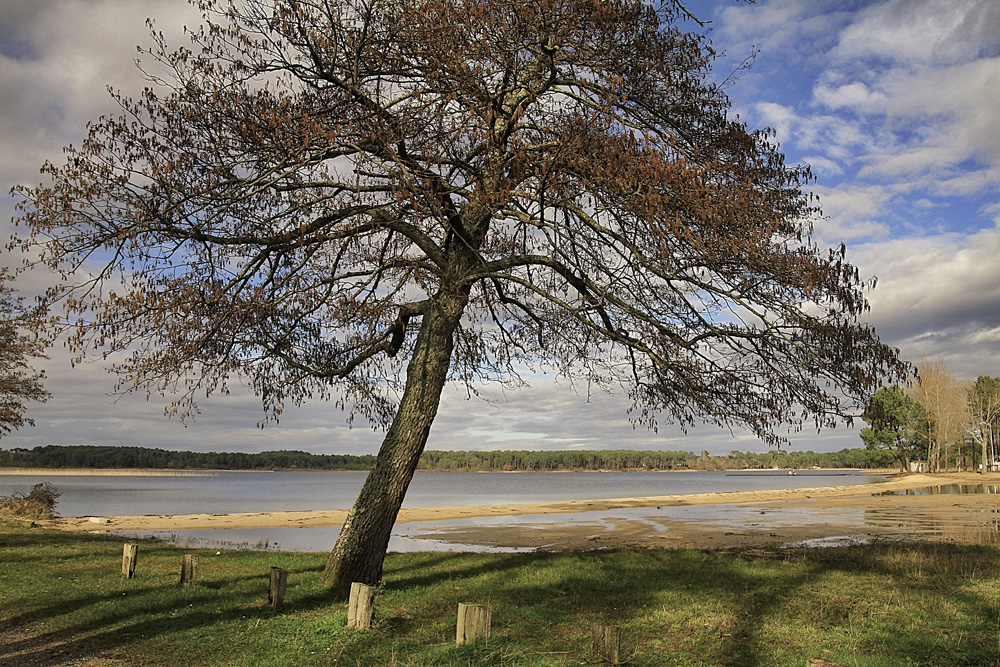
[(364, 537)]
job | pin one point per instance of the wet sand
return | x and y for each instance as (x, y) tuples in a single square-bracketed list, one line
[(755, 518), (810, 520)]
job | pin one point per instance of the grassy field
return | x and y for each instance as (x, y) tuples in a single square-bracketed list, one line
[(63, 601)]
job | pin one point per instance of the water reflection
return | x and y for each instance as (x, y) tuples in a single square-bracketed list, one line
[(945, 489), (294, 539), (526, 532), (979, 526), (951, 520)]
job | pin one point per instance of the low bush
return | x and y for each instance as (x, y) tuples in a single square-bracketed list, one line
[(39, 503)]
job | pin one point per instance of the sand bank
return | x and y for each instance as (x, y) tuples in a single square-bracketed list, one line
[(772, 519), (315, 518)]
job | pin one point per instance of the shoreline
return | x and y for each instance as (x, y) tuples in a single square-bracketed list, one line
[(336, 517), (211, 472)]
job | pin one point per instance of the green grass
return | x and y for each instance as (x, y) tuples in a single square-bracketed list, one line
[(883, 605)]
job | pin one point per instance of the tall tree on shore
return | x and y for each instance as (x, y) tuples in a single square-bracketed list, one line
[(893, 418), (946, 410), (984, 413), (366, 199), (19, 345)]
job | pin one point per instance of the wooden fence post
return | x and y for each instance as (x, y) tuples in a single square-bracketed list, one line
[(129, 555), (189, 569), (607, 643), (359, 609), (276, 591), (473, 623)]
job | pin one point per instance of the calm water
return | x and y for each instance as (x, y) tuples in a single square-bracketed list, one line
[(228, 492)]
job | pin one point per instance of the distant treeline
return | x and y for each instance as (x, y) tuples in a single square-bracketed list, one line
[(96, 456), (623, 459), (87, 456)]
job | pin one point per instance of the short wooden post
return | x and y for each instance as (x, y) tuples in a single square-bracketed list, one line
[(359, 608), (129, 555), (189, 569), (276, 591), (607, 643), (473, 623)]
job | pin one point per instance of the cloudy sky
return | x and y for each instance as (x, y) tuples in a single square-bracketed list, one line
[(894, 103)]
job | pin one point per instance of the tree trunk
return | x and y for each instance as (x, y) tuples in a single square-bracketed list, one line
[(364, 537)]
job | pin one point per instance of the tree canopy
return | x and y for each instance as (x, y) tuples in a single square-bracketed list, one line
[(984, 413), (894, 420), (19, 382), (944, 420), (367, 198)]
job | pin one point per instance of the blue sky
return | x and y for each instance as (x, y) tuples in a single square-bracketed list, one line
[(894, 103)]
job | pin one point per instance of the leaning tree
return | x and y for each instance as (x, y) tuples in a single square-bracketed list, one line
[(365, 199)]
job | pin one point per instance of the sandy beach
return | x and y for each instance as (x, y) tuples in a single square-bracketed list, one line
[(784, 516)]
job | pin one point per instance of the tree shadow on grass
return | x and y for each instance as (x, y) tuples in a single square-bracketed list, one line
[(96, 624), (91, 609), (726, 608), (721, 608), (403, 571)]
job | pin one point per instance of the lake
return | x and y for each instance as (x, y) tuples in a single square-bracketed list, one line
[(229, 492)]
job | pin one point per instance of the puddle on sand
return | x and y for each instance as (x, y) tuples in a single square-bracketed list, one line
[(847, 526), (606, 528), (315, 539), (840, 541)]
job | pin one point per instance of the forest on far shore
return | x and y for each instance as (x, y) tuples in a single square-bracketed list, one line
[(90, 456)]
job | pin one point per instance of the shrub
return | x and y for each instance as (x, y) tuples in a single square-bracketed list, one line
[(39, 503)]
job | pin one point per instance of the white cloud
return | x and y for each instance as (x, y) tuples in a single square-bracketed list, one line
[(854, 95), (832, 137), (938, 296), (823, 167), (969, 183), (853, 213), (910, 162), (959, 103), (57, 60), (793, 30), (907, 91), (922, 80), (912, 33)]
